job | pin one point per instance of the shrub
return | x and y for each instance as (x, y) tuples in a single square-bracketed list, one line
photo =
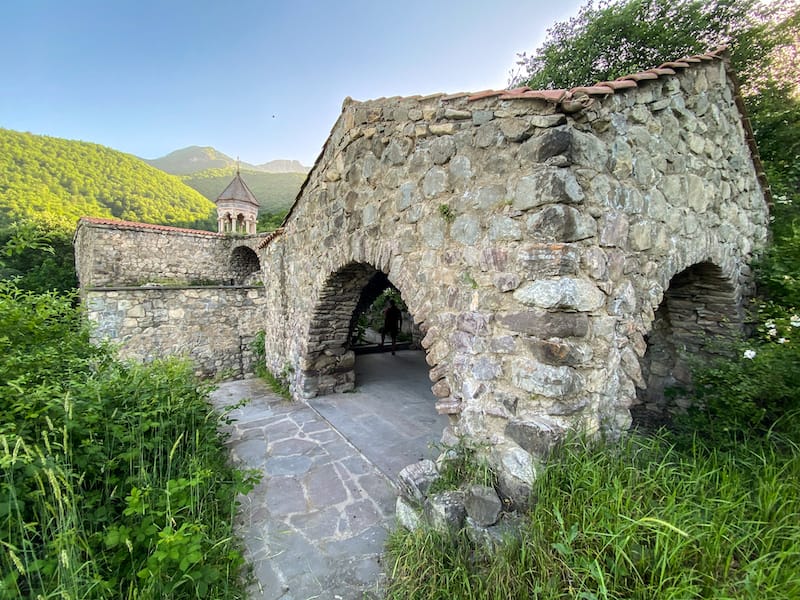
[(115, 482)]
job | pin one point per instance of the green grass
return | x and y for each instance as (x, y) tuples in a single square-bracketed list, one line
[(644, 518), (115, 482)]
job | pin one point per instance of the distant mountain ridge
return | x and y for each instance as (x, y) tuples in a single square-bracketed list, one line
[(193, 159)]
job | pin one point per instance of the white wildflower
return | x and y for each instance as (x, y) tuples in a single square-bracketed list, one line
[(773, 332), (794, 321), (782, 340), (769, 324), (750, 354)]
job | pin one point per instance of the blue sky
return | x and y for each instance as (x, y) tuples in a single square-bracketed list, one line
[(258, 79)]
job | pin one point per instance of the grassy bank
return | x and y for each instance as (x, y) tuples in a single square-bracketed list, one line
[(652, 517), (115, 482)]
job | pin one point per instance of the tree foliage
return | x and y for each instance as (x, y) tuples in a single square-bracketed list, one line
[(38, 258), (618, 37), (54, 182)]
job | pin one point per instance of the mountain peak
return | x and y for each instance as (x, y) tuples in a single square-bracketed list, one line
[(193, 159)]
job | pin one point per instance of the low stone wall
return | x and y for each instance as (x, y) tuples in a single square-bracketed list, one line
[(121, 253), (213, 326)]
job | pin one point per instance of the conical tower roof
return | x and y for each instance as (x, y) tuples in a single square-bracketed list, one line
[(237, 190)]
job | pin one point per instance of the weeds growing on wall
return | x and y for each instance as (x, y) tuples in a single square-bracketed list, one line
[(115, 483)]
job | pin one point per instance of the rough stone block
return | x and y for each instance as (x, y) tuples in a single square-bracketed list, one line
[(564, 292), (445, 511), (537, 437), (482, 505), (408, 516), (416, 479), (545, 324)]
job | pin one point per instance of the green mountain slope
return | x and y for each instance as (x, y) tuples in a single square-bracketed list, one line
[(194, 159), (56, 181), (191, 160), (275, 191)]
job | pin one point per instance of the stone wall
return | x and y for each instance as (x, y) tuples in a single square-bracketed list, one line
[(155, 291), (213, 326), (533, 236), (120, 253)]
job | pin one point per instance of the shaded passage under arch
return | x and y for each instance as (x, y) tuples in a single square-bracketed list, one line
[(390, 416), (243, 263), (699, 312)]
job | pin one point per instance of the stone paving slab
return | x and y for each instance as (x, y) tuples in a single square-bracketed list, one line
[(316, 525)]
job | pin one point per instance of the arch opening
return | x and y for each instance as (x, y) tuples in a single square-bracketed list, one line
[(244, 265), (390, 414), (700, 310), (345, 323)]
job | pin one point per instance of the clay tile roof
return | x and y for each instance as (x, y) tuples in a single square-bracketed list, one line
[(660, 71), (237, 190), (134, 225), (269, 237), (619, 84), (593, 90), (678, 64), (529, 94), (640, 76), (485, 94), (455, 96)]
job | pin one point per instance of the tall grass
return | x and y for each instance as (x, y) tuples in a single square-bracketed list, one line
[(114, 480), (644, 518)]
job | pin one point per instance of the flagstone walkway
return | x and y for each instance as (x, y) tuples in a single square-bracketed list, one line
[(316, 525)]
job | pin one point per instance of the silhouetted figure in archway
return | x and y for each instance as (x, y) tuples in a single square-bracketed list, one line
[(392, 321)]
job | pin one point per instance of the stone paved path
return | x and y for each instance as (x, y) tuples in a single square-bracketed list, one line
[(315, 526)]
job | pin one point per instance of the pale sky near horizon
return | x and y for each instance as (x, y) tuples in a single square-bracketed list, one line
[(261, 80)]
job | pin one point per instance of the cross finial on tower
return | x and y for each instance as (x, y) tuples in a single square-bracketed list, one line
[(237, 165)]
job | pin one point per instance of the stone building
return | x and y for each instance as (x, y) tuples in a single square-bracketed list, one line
[(562, 251), (237, 208)]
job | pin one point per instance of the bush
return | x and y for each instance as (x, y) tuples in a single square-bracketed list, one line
[(115, 480)]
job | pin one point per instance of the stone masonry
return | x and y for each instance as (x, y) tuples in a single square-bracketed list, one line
[(561, 251), (160, 291), (558, 249)]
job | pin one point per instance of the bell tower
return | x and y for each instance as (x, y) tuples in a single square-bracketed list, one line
[(237, 208)]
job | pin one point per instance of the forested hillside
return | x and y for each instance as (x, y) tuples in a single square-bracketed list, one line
[(275, 191), (54, 181)]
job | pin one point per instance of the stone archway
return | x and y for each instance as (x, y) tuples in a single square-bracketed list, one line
[(328, 365), (243, 263), (701, 308)]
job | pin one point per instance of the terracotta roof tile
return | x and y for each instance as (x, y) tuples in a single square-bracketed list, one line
[(135, 225), (485, 94), (593, 90), (529, 94), (620, 84), (678, 64), (270, 236), (659, 71), (640, 76), (455, 96)]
